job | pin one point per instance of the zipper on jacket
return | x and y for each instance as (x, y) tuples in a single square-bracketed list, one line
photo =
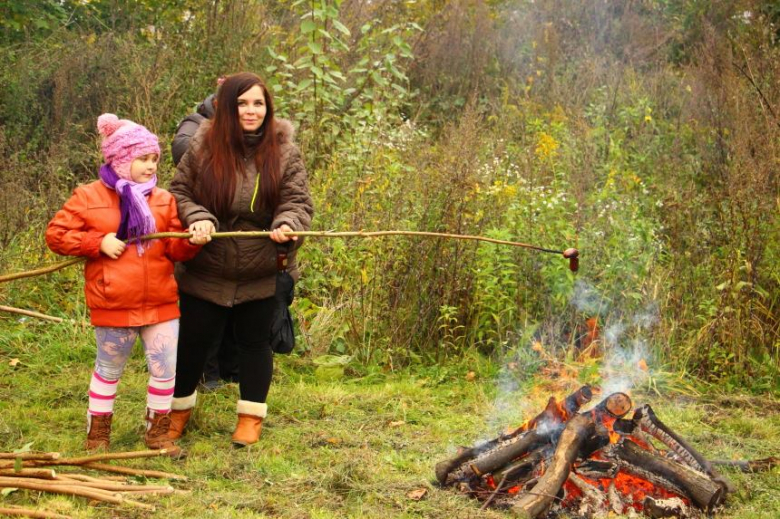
[(146, 279)]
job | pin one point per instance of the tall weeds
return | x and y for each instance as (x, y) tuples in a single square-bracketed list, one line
[(644, 133)]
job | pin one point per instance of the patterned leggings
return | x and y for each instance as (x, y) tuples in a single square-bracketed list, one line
[(113, 349)]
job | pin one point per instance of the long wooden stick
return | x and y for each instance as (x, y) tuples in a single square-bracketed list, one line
[(29, 473), (39, 272), (761, 465), (30, 313), (264, 234), (104, 457), (84, 477), (111, 486), (86, 460), (29, 455), (134, 472), (38, 514), (73, 490)]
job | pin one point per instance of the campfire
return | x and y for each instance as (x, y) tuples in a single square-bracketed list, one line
[(590, 463)]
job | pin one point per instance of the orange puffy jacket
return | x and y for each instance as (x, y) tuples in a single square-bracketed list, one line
[(132, 290)]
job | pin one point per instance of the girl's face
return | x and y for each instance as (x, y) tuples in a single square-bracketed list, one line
[(143, 168), (251, 109)]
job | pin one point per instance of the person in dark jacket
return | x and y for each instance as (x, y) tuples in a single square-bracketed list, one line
[(222, 357), (242, 172), (188, 126)]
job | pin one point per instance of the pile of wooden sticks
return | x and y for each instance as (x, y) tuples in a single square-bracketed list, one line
[(33, 471)]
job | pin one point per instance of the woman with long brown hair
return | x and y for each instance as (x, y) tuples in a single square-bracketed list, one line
[(242, 172)]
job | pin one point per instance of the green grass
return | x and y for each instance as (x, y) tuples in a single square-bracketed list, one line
[(348, 448)]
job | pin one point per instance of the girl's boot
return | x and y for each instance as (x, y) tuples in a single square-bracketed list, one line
[(250, 422), (98, 431), (156, 437), (181, 410)]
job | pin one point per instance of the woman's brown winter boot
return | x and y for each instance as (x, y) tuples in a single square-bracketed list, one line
[(250, 422), (98, 431), (156, 437), (181, 410)]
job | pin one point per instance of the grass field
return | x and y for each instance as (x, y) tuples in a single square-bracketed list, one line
[(353, 447)]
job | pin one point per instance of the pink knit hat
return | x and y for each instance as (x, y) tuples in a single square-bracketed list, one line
[(125, 141)]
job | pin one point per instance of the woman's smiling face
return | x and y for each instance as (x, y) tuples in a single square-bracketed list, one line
[(251, 109)]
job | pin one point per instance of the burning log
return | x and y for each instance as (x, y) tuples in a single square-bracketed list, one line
[(705, 492), (658, 508), (496, 453), (501, 455), (576, 400), (593, 499), (597, 469), (648, 422), (531, 505), (597, 460), (615, 503), (522, 469), (557, 414), (470, 464), (616, 405)]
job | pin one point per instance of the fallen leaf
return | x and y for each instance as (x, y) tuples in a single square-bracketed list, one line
[(642, 364), (13, 362), (417, 494), (471, 376), (333, 441), (398, 423), (537, 346), (512, 366)]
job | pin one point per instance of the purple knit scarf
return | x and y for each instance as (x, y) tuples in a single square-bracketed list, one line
[(136, 219)]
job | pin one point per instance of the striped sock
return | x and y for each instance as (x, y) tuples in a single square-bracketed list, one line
[(102, 393), (160, 394)]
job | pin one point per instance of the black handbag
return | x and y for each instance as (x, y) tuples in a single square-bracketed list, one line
[(282, 331)]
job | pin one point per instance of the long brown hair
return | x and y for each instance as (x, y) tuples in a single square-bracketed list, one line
[(221, 158)]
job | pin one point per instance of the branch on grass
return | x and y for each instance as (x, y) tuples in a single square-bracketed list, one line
[(43, 485), (25, 512), (29, 455), (30, 313), (762, 465), (29, 473), (106, 456), (134, 472), (39, 272)]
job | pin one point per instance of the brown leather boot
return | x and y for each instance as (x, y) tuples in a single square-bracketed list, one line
[(98, 432), (156, 437), (181, 410), (250, 422)]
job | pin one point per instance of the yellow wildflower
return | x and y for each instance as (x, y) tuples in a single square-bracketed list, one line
[(546, 146)]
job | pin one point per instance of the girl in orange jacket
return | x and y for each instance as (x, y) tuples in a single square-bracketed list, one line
[(130, 291)]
